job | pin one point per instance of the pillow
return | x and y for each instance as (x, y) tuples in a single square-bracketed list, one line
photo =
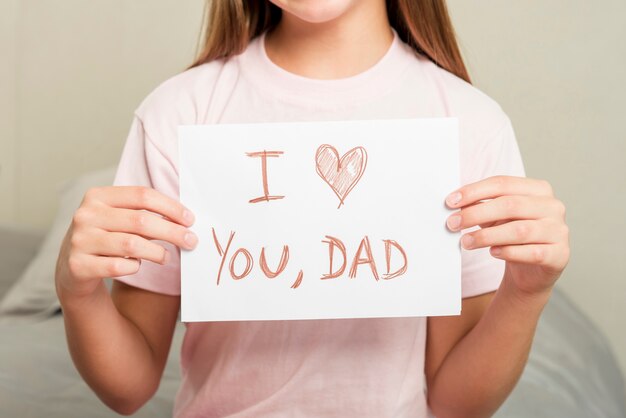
[(33, 295), (18, 246)]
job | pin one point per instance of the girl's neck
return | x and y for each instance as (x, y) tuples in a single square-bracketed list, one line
[(343, 47)]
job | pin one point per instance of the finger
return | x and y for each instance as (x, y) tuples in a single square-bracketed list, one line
[(505, 207), (88, 267), (120, 244), (543, 231), (550, 256), (497, 186), (485, 225), (148, 225), (496, 223), (139, 197)]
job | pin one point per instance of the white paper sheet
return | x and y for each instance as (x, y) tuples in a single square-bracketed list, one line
[(375, 188)]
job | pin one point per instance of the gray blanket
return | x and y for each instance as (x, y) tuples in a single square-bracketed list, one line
[(571, 373)]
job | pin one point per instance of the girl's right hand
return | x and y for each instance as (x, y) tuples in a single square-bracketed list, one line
[(110, 234)]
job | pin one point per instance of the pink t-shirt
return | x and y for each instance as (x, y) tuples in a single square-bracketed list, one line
[(309, 368)]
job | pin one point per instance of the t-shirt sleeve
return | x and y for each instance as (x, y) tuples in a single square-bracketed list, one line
[(143, 164), (499, 155)]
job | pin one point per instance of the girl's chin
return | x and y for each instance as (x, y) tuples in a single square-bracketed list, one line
[(315, 11)]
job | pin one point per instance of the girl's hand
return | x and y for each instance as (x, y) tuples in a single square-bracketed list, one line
[(110, 232), (522, 222)]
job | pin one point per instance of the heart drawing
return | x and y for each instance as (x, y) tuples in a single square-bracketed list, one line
[(340, 174)]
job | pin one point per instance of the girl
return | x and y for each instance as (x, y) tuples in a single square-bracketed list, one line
[(295, 60)]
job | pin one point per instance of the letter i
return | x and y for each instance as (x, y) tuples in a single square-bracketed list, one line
[(266, 194)]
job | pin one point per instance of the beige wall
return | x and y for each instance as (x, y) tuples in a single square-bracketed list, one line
[(8, 137), (558, 69), (76, 70), (80, 69)]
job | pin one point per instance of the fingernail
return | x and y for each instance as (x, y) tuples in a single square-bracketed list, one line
[(454, 198), (454, 222), (191, 239), (496, 251), (467, 241), (166, 257), (188, 216)]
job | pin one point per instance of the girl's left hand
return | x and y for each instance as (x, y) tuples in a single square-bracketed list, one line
[(522, 222)]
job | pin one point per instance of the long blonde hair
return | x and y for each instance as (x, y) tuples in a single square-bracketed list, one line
[(425, 25)]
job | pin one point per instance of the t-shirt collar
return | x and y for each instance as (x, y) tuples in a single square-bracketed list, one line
[(366, 85)]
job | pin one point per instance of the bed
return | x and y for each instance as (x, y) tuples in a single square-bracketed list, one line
[(571, 371)]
